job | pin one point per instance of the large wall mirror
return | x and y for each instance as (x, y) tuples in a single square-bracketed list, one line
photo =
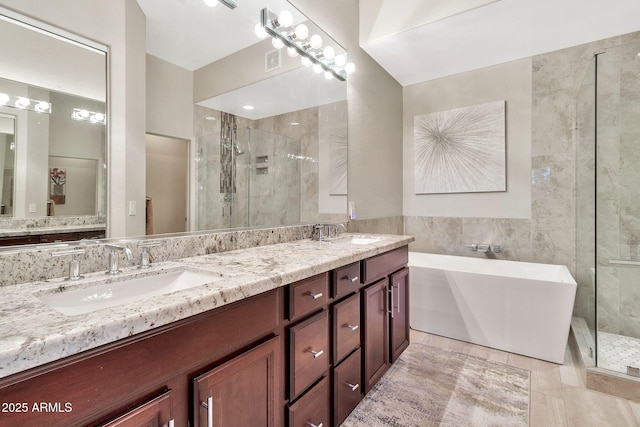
[(270, 134), (52, 133)]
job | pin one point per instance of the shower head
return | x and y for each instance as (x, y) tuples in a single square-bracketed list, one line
[(238, 150)]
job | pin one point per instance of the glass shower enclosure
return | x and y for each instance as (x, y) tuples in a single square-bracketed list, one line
[(249, 179), (608, 207)]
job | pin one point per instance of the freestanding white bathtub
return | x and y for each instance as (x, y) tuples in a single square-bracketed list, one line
[(519, 307)]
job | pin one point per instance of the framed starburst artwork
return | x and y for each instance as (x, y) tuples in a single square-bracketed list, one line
[(460, 150)]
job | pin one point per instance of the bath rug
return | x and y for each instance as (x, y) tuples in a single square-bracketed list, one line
[(430, 386)]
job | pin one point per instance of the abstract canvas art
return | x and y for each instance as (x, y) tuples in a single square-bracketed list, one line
[(460, 150), (338, 162)]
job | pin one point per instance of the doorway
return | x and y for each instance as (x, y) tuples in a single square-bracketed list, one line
[(166, 184)]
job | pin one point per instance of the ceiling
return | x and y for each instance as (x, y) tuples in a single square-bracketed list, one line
[(414, 40), (421, 40)]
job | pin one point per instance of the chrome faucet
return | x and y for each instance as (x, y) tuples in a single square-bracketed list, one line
[(113, 257), (145, 260), (74, 265)]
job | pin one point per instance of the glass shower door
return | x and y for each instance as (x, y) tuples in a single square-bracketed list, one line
[(618, 208)]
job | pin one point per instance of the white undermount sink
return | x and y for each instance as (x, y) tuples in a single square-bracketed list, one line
[(104, 294), (363, 240)]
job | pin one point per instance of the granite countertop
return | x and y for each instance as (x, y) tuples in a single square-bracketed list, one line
[(29, 231), (33, 333)]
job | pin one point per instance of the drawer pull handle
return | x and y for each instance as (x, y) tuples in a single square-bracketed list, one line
[(352, 328), (316, 354), (314, 425), (353, 387), (209, 407), (350, 279), (314, 296)]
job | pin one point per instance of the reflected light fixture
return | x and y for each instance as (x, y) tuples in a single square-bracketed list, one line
[(231, 4), (81, 114), (330, 59), (24, 103)]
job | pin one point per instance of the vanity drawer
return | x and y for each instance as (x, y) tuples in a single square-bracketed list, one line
[(309, 352), (384, 264), (308, 295), (346, 327), (313, 408), (347, 390), (346, 279)]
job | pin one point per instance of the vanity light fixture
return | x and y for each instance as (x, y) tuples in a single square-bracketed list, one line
[(24, 103), (330, 59), (81, 114)]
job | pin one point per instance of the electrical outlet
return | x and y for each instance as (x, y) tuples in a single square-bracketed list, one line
[(132, 207)]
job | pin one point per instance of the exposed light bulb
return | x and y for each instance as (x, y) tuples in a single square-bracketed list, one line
[(97, 117), (305, 61), (317, 68), (350, 68), (277, 43), (260, 32), (211, 3), (4, 98), (328, 75), (292, 52), (315, 41), (302, 32), (285, 19), (328, 52), (22, 102), (83, 113), (340, 60), (42, 106)]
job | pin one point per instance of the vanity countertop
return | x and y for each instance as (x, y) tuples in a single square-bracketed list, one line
[(32, 333), (29, 231)]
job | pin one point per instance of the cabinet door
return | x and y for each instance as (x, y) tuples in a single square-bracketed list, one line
[(399, 283), (242, 392), (155, 413), (376, 333)]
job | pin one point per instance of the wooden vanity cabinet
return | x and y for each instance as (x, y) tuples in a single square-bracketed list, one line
[(101, 385)]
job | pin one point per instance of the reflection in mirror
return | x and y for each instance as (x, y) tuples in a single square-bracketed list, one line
[(270, 133), (53, 96), (7, 159)]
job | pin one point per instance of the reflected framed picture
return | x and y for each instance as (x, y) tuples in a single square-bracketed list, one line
[(57, 185)]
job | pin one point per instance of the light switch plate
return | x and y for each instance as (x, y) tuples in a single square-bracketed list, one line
[(132, 207)]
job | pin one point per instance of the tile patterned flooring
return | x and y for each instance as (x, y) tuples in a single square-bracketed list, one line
[(559, 396), (615, 352)]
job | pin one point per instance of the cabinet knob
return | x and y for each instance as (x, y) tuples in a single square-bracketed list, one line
[(315, 296), (353, 387), (316, 354), (352, 328)]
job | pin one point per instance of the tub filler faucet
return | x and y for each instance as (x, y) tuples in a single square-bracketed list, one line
[(485, 248)]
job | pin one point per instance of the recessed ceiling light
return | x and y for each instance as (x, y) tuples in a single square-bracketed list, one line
[(248, 107), (209, 118), (295, 123)]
